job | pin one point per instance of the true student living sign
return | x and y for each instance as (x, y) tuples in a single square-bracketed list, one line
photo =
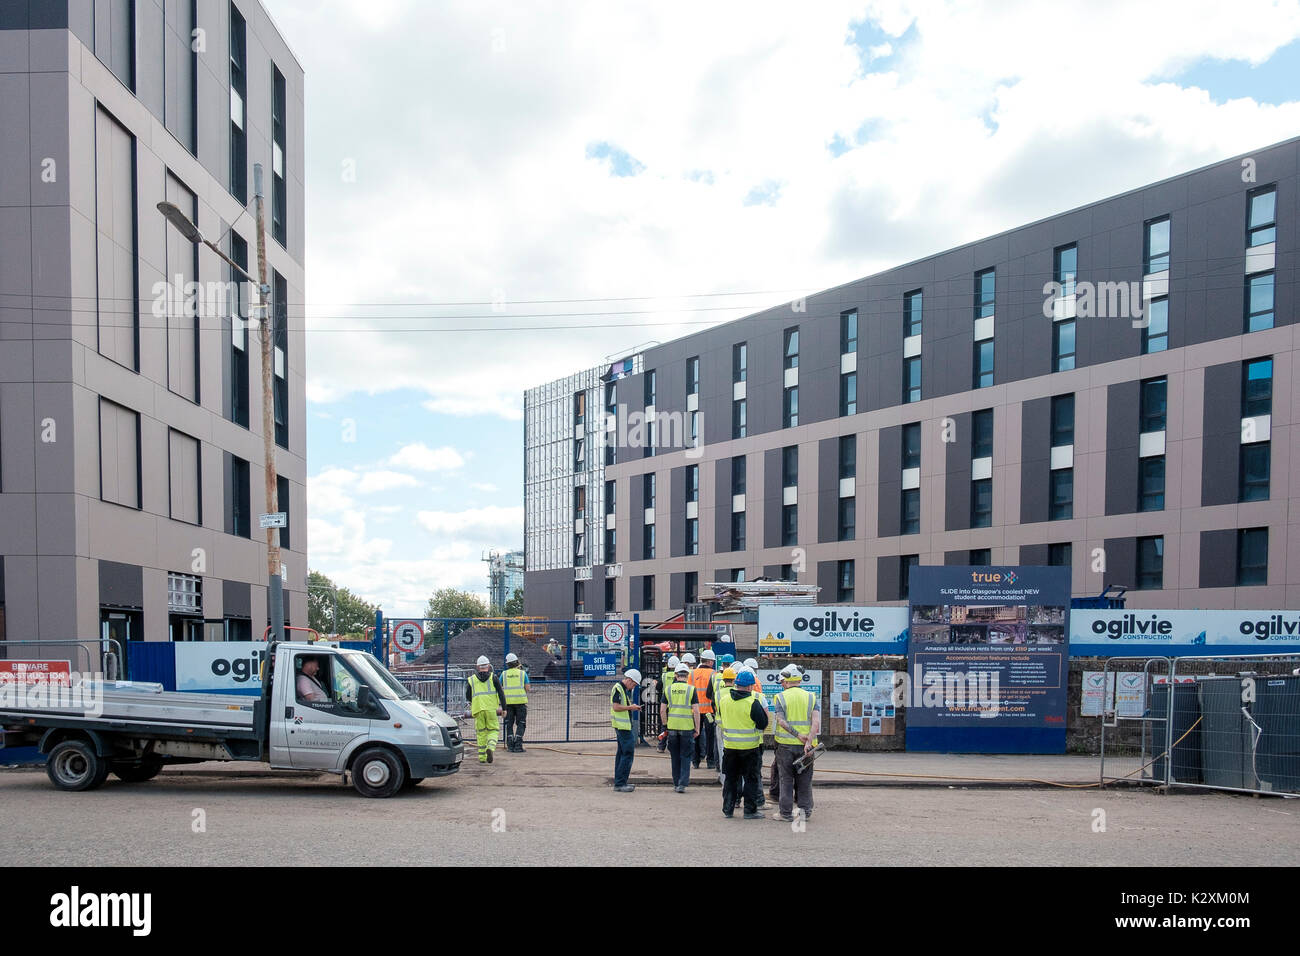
[(785, 629)]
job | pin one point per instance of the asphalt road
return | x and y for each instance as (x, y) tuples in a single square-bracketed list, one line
[(571, 816)]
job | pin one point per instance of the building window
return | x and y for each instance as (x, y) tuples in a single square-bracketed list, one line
[(844, 586), (279, 196), (693, 375), (1150, 563), (848, 456), (579, 502), (1257, 388), (1063, 347), (1153, 405), (648, 489), (1157, 245), (738, 428), (579, 550), (1155, 336), (738, 575), (912, 445), (981, 423), (114, 38), (849, 393), (1261, 216), (116, 265), (282, 504), (695, 429), (848, 331), (1252, 557), (1061, 503), (787, 573), (692, 535), (1259, 302), (790, 466), (649, 384), (912, 379), (738, 475), (790, 407), (985, 284), (1256, 463), (739, 362), (912, 313), (238, 382), (648, 592), (692, 587), (1067, 268), (911, 511), (181, 267), (847, 520), (579, 454), (611, 545), (738, 531), (906, 562), (1062, 420), (280, 350), (982, 373), (609, 596), (1058, 555), (579, 408), (981, 557), (119, 454), (981, 503), (648, 542), (790, 525), (1151, 484), (238, 107), (791, 350), (239, 511), (579, 597), (611, 498), (692, 482)]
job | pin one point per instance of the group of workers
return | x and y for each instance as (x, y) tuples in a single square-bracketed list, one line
[(715, 713), (492, 697)]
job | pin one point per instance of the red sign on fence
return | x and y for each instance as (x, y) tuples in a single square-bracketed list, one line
[(36, 672)]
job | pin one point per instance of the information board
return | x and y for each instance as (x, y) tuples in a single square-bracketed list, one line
[(861, 702)]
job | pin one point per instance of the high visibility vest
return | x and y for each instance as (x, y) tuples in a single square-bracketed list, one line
[(739, 732), (666, 679), (702, 681), (512, 682), (680, 716), (798, 705), (484, 697), (619, 719), (716, 688)]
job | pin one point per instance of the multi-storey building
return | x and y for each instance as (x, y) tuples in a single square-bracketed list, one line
[(1106, 389), (131, 453)]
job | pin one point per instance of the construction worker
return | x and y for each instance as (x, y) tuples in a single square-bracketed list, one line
[(725, 661), (688, 659), (515, 683), (723, 682), (743, 720), (702, 681), (666, 678), (798, 720), (487, 702), (621, 710), (680, 713)]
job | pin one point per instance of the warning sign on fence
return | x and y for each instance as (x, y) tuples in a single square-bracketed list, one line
[(36, 672)]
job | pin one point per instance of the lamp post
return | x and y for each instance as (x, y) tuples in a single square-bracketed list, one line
[(188, 229)]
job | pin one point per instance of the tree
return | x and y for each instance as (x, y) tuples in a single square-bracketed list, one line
[(515, 606), (355, 614), (449, 602)]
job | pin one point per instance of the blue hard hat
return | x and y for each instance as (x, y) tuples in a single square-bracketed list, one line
[(745, 679), (726, 659)]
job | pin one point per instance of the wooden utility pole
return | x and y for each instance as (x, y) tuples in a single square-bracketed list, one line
[(275, 584)]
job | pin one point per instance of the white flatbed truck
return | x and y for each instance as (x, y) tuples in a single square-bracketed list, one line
[(349, 716)]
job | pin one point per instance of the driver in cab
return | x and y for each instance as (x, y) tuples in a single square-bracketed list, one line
[(310, 687)]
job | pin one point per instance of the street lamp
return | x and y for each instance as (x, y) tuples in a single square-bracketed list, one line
[(188, 229)]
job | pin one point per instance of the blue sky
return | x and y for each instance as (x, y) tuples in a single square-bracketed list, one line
[(500, 194)]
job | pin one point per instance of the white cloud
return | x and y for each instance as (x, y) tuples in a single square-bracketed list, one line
[(372, 481), (483, 486), (493, 525), (423, 458)]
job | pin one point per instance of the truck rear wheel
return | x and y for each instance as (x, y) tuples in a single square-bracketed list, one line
[(137, 772), (378, 773), (74, 765)]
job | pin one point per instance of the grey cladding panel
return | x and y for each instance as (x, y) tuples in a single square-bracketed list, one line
[(957, 481), (1218, 559), (121, 585), (1221, 424), (1035, 453), (891, 482), (1122, 401)]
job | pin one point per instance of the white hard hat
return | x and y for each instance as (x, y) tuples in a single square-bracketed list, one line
[(633, 674), (483, 661), (511, 657), (673, 661), (683, 668), (707, 655), (791, 671), (688, 658), (751, 663)]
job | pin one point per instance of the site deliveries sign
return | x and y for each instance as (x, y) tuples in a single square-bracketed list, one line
[(786, 629), (987, 659), (599, 665), (1155, 633), (226, 667)]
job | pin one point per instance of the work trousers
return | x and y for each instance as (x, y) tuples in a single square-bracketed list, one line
[(681, 745), (516, 722), (623, 757), (487, 726), (706, 742), (796, 788), (740, 778)]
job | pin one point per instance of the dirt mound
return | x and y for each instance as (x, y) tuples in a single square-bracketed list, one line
[(466, 647)]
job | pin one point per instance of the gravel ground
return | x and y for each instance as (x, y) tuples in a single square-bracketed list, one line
[(549, 808)]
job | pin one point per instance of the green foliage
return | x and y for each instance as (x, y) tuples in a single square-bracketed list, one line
[(355, 614), (515, 606)]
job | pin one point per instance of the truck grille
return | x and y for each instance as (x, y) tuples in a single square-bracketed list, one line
[(453, 736)]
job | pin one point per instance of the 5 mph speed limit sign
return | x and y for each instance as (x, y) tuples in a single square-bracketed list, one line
[(408, 635), (614, 632)]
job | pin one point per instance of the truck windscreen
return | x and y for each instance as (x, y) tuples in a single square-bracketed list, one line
[(376, 675)]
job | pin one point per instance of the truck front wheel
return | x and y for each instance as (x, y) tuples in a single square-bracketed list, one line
[(74, 765), (378, 773)]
